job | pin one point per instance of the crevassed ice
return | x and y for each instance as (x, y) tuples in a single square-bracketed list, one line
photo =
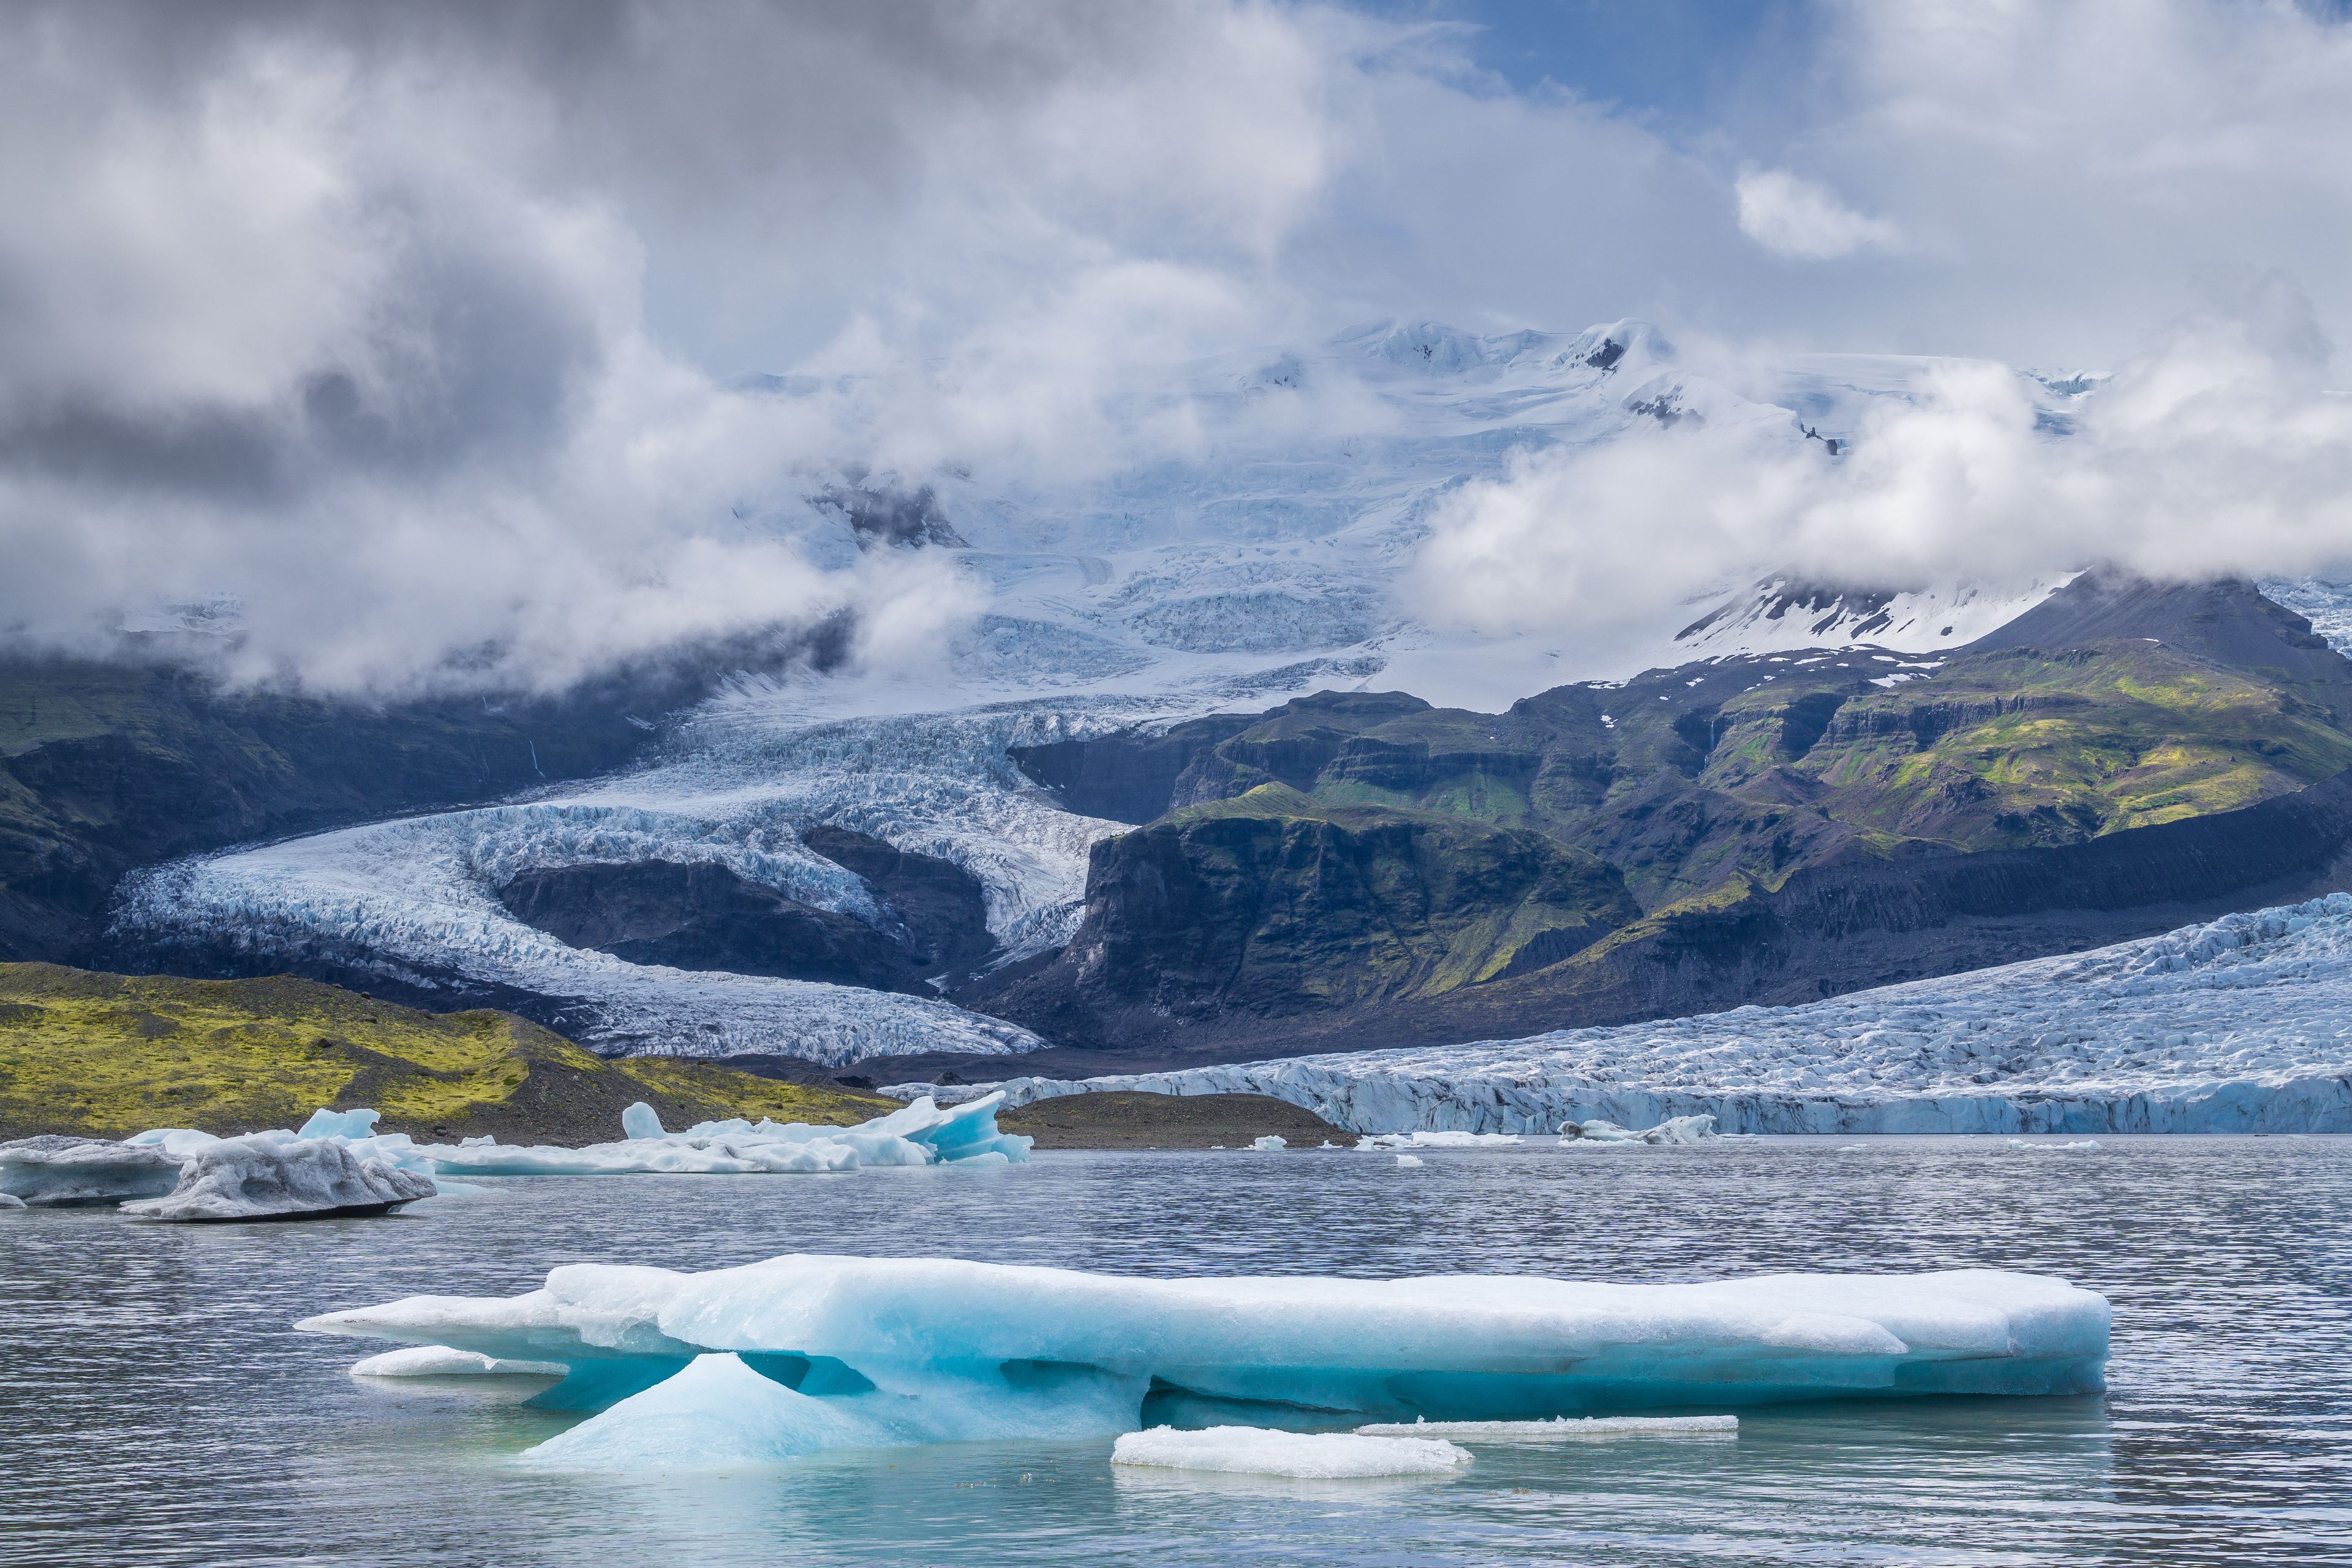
[(806, 1352), (2241, 1025)]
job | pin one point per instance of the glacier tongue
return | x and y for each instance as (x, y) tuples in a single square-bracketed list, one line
[(859, 1352), (2243, 1025)]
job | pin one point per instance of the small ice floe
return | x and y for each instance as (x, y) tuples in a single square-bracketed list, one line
[(11, 1201), (262, 1177), (1265, 1451), (1563, 1429), (440, 1360), (1853, 1149), (1408, 1160), (1676, 1129), (2083, 1147), (1438, 1141), (1269, 1143), (54, 1170)]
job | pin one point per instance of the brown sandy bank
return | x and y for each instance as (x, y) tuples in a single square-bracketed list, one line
[(1168, 1121)]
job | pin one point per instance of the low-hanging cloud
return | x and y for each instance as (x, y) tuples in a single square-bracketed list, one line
[(2219, 451), (1789, 215), (345, 316), (416, 331)]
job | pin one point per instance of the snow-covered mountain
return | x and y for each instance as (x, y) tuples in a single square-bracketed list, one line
[(1258, 559)]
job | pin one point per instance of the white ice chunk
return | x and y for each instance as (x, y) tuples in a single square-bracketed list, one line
[(1674, 1130), (325, 1123), (920, 1134), (2082, 1146), (1410, 1160), (11, 1201), (1562, 1428), (1438, 1141), (261, 1177), (1264, 1451), (55, 1170), (440, 1360), (950, 1349), (1269, 1142), (641, 1120)]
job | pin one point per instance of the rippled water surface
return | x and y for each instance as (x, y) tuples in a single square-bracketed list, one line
[(155, 1406)]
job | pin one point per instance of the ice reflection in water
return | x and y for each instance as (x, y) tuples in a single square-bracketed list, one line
[(156, 1408)]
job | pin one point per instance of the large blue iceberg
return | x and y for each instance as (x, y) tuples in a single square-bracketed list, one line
[(805, 1352)]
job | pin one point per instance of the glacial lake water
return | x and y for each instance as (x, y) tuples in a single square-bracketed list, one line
[(157, 1408)]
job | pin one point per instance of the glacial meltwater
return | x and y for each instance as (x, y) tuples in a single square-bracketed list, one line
[(156, 1406)]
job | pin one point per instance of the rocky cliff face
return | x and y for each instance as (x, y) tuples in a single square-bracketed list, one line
[(1770, 829)]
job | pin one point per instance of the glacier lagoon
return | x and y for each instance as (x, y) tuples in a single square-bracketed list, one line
[(132, 1354)]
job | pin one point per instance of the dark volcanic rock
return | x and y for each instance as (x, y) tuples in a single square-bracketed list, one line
[(703, 916), (1131, 777), (940, 905)]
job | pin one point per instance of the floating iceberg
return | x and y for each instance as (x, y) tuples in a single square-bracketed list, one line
[(807, 1353), (11, 1201), (1563, 1429), (1268, 1451), (1410, 1160), (2083, 1146), (2242, 1025), (55, 1170), (264, 1177), (1269, 1143), (440, 1360), (1438, 1141), (1674, 1130), (921, 1134)]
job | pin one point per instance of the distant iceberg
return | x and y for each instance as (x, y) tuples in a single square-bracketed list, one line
[(803, 1353), (337, 1163)]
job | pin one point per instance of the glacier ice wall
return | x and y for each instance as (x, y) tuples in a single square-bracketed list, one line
[(860, 1352), (2243, 1025)]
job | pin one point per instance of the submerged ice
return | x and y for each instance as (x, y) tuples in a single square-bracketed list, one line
[(802, 1353)]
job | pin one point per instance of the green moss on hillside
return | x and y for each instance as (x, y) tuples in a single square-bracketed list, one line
[(110, 1055)]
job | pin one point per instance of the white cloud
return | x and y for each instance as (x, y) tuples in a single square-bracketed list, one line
[(1796, 217), (2216, 452)]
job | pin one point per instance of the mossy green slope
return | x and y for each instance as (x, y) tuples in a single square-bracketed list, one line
[(1405, 851), (110, 1055)]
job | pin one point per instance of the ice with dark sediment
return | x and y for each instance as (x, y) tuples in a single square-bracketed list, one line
[(800, 1353), (272, 1176), (56, 1169)]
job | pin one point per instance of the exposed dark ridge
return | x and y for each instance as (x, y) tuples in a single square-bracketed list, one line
[(700, 916), (2227, 623), (1829, 930), (940, 906), (1130, 777)]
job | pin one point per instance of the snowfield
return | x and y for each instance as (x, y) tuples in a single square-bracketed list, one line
[(1263, 557), (2241, 1025)]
